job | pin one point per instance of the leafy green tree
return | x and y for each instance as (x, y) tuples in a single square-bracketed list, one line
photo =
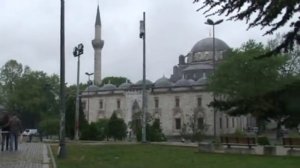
[(49, 126), (10, 73), (70, 110), (115, 80), (102, 127), (116, 127), (267, 13), (246, 85), (154, 132)]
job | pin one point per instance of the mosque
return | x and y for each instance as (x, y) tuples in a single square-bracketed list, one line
[(175, 102)]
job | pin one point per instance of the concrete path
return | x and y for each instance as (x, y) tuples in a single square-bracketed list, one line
[(29, 155)]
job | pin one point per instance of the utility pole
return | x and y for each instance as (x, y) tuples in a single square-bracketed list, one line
[(144, 105), (62, 146)]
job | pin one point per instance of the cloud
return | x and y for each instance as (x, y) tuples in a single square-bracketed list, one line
[(30, 33)]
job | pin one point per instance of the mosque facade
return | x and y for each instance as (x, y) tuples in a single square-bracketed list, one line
[(177, 101)]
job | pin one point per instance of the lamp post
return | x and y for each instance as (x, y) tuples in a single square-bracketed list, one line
[(212, 23), (62, 146), (89, 83), (144, 105), (77, 52)]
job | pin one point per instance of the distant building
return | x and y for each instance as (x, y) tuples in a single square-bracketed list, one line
[(175, 102)]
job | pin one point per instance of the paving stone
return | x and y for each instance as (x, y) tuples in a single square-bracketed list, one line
[(29, 155)]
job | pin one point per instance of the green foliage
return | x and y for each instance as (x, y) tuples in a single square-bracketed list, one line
[(95, 131), (116, 127), (49, 126), (243, 76), (89, 132), (26, 92), (260, 87), (115, 80), (153, 132), (239, 133), (263, 140)]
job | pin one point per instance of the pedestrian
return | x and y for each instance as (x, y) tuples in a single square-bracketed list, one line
[(5, 132), (15, 130)]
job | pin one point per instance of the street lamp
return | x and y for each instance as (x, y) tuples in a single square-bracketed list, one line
[(77, 52), (89, 83), (212, 23), (62, 145)]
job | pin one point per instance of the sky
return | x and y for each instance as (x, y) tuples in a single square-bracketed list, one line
[(30, 34)]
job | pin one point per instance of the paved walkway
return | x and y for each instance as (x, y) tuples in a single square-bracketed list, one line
[(29, 155)]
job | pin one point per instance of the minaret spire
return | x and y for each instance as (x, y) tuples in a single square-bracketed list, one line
[(98, 44), (98, 19)]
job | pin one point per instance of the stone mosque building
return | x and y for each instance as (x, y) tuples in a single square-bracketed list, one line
[(174, 101)]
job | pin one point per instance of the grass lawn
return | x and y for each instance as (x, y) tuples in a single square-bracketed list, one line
[(156, 156)]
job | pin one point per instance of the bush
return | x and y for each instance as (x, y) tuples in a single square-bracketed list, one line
[(95, 130), (116, 127), (153, 133), (263, 140)]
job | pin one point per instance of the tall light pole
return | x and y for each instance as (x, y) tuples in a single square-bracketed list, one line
[(144, 105), (77, 52), (88, 103), (212, 23), (62, 146)]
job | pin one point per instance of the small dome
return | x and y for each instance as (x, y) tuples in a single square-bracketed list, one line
[(202, 81), (163, 82), (125, 85), (92, 88), (207, 45), (108, 86), (182, 82), (192, 82), (140, 82)]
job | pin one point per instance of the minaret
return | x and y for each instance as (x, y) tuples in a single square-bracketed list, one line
[(98, 45)]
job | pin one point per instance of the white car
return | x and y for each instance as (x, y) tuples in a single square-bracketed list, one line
[(28, 132)]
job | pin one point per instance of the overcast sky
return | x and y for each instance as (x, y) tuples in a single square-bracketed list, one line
[(30, 34)]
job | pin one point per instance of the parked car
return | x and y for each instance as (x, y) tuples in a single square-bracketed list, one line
[(28, 132)]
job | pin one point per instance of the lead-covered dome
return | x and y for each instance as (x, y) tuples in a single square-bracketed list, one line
[(140, 82), (163, 82), (207, 45), (92, 88), (108, 86), (125, 85), (183, 82)]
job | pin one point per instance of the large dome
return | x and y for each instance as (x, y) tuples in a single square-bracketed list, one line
[(207, 45)]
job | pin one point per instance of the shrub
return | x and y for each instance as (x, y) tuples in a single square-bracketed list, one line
[(116, 127), (263, 140)]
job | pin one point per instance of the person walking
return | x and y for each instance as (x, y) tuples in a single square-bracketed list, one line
[(5, 131), (15, 130)]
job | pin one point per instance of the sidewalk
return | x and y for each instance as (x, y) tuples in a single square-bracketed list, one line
[(29, 155)]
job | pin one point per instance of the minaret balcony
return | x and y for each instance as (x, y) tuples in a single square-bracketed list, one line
[(97, 43)]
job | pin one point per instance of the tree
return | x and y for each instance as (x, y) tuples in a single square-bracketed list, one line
[(115, 80), (263, 13), (10, 73), (25, 92), (242, 76), (116, 127), (154, 132), (260, 87), (70, 110)]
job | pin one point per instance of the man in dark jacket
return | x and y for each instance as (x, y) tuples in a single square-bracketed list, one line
[(5, 131), (15, 130)]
